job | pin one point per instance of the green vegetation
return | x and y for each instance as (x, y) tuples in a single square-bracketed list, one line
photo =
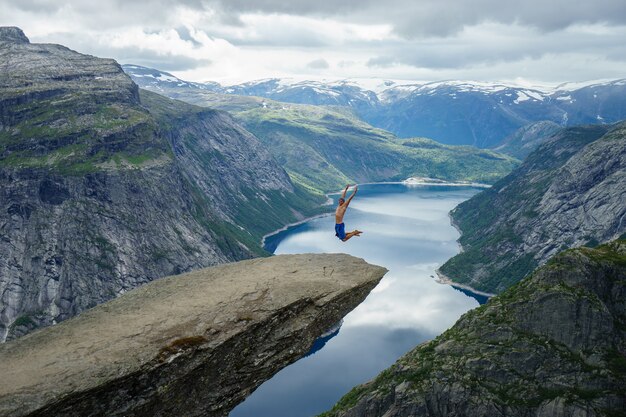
[(324, 149), (616, 362), (527, 138), (77, 134), (228, 237), (23, 320), (261, 215), (347, 401), (255, 213), (607, 253)]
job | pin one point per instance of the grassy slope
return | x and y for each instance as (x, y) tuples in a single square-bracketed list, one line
[(257, 215), (527, 138), (323, 148), (76, 134)]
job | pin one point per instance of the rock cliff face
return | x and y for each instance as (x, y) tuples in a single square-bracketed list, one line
[(188, 345), (526, 139), (103, 189), (568, 193), (553, 345)]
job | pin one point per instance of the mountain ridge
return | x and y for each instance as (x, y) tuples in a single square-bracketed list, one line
[(452, 112), (376, 86), (324, 147), (552, 345)]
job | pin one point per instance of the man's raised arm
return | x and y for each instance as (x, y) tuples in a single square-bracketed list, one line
[(345, 191), (356, 187)]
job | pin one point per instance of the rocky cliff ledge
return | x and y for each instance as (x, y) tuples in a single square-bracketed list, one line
[(553, 345), (193, 344)]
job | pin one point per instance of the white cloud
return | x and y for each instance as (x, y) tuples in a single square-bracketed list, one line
[(318, 64), (423, 40)]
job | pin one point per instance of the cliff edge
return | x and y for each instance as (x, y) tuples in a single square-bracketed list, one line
[(192, 344)]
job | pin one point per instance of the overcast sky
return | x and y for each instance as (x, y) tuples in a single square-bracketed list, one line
[(528, 41)]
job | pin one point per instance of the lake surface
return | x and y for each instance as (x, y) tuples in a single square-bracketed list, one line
[(407, 230)]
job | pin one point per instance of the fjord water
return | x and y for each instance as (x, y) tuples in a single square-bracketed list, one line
[(407, 230)]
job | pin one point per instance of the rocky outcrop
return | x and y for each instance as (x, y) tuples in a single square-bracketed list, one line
[(192, 345), (553, 345), (103, 189), (570, 192), (12, 34)]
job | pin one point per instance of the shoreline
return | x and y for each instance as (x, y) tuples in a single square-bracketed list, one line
[(445, 280), (456, 227), (287, 226), (415, 181), (408, 182), (433, 181)]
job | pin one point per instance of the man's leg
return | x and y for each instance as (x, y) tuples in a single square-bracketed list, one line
[(350, 234)]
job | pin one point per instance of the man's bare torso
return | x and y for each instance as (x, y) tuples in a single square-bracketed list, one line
[(340, 212)]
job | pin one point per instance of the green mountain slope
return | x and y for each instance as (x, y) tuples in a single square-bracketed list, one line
[(338, 143), (527, 138), (552, 345), (569, 192)]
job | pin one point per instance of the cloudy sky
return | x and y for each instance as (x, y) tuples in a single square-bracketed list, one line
[(530, 41)]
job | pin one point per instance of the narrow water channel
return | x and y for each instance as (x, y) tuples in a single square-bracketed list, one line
[(407, 230)]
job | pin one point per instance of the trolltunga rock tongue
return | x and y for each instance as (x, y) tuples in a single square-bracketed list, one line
[(193, 344)]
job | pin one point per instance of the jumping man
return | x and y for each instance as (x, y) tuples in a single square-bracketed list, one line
[(340, 228)]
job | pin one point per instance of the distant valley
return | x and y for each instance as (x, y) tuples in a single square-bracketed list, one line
[(112, 177), (324, 147), (106, 186)]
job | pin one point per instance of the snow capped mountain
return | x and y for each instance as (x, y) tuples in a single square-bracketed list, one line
[(482, 114), (453, 88), (341, 93), (453, 112), (149, 77)]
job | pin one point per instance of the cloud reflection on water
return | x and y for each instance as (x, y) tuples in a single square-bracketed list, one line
[(292, 392)]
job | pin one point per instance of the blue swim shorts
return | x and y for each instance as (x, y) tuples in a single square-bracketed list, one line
[(340, 231)]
